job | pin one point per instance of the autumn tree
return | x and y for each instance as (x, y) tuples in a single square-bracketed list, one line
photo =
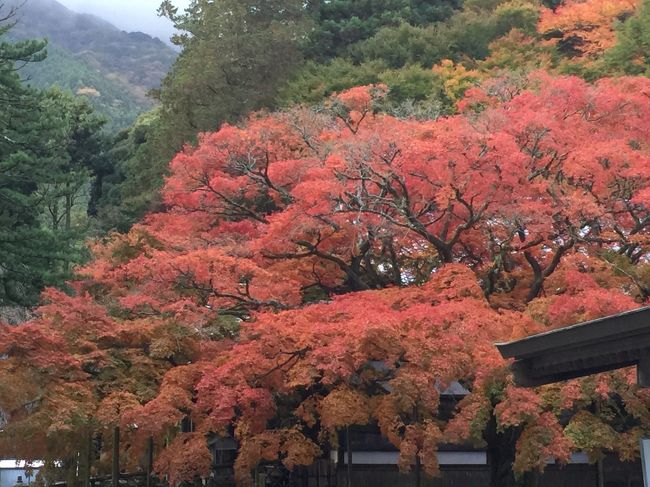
[(585, 29), (69, 376), (372, 214), (317, 269)]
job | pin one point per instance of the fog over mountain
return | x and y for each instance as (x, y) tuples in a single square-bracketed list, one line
[(129, 15), (90, 56)]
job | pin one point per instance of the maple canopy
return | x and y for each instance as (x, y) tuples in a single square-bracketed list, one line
[(320, 269)]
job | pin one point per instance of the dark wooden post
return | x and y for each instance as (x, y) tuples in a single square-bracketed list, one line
[(600, 472), (643, 372), (88, 459), (418, 465), (349, 452), (116, 457), (149, 460), (329, 471)]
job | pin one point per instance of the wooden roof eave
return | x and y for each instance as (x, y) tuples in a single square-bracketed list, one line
[(600, 345)]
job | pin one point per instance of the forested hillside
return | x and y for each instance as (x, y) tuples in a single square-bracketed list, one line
[(91, 57), (335, 212)]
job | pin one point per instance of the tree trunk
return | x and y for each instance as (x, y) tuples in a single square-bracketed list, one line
[(149, 468), (71, 471), (68, 219), (600, 473), (501, 455), (68, 212), (85, 461), (116, 458), (531, 479), (54, 212)]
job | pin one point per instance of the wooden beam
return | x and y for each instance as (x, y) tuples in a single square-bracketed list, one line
[(524, 377), (602, 345), (620, 325), (643, 372)]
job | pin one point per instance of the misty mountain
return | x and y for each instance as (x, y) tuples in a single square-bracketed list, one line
[(90, 56)]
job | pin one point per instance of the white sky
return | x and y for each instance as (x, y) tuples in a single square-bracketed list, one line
[(129, 15)]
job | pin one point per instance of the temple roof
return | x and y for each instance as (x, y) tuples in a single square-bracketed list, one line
[(600, 345)]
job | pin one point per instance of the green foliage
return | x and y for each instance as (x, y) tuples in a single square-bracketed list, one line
[(315, 82), (74, 152), (591, 434), (401, 45), (465, 35), (127, 186), (518, 52), (342, 23), (110, 97), (411, 83), (413, 90), (26, 250), (631, 54), (552, 4), (49, 142), (235, 56)]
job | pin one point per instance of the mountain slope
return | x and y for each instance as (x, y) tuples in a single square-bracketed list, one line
[(91, 56)]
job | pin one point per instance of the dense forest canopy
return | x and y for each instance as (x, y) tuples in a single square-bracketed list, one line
[(333, 213)]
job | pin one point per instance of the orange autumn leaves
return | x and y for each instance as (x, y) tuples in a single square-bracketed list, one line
[(319, 269), (513, 193), (381, 356), (585, 28)]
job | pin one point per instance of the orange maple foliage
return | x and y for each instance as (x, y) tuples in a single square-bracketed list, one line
[(316, 270), (585, 28)]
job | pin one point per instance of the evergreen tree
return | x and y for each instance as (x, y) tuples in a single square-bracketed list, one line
[(631, 54), (341, 23), (26, 250), (45, 139), (128, 177), (75, 151)]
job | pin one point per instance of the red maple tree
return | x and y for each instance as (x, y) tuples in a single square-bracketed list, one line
[(316, 270)]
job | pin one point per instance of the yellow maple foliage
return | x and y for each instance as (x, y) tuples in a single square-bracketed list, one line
[(457, 79)]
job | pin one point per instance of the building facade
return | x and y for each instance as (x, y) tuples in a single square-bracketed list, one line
[(10, 470)]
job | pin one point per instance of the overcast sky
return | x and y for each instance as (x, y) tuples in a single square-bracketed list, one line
[(129, 15)]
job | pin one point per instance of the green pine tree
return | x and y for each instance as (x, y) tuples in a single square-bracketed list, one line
[(45, 142)]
